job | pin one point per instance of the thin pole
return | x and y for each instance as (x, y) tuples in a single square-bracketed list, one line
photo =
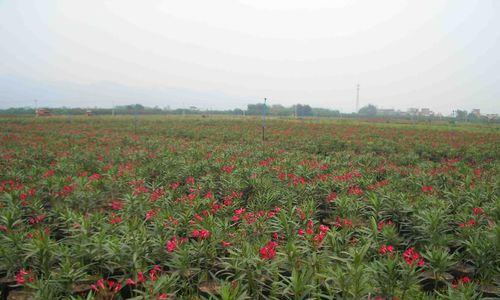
[(264, 120), (135, 120), (357, 99)]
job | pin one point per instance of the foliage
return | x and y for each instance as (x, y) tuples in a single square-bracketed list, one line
[(188, 207)]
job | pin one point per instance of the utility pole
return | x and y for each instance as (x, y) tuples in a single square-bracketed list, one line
[(36, 107), (296, 115), (113, 110), (357, 98)]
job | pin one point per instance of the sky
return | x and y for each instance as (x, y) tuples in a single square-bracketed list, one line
[(224, 54)]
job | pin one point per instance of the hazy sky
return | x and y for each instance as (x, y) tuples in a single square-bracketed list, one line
[(225, 53)]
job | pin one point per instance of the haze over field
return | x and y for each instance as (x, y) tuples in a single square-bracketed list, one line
[(224, 54)]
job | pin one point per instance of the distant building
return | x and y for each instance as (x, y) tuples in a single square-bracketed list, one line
[(426, 112), (88, 113), (476, 112), (491, 116), (43, 112), (386, 112), (412, 111)]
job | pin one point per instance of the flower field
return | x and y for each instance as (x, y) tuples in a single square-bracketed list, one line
[(201, 208)]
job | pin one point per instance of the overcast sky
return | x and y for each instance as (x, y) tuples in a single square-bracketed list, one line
[(226, 53)]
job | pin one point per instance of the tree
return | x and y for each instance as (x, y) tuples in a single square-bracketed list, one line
[(369, 110), (472, 117), (303, 110), (461, 114), (255, 109)]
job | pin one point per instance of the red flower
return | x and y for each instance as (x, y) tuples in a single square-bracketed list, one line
[(381, 224), (94, 176), (36, 219), (411, 256), (114, 219), (49, 173), (116, 205), (384, 249), (461, 281), (201, 234), (465, 279), (157, 194), (477, 211), (112, 286), (427, 188), (323, 228), (318, 239), (469, 223), (268, 251), (331, 197), (153, 273), (22, 276), (228, 169), (172, 244), (174, 185), (355, 191), (140, 277), (150, 214)]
